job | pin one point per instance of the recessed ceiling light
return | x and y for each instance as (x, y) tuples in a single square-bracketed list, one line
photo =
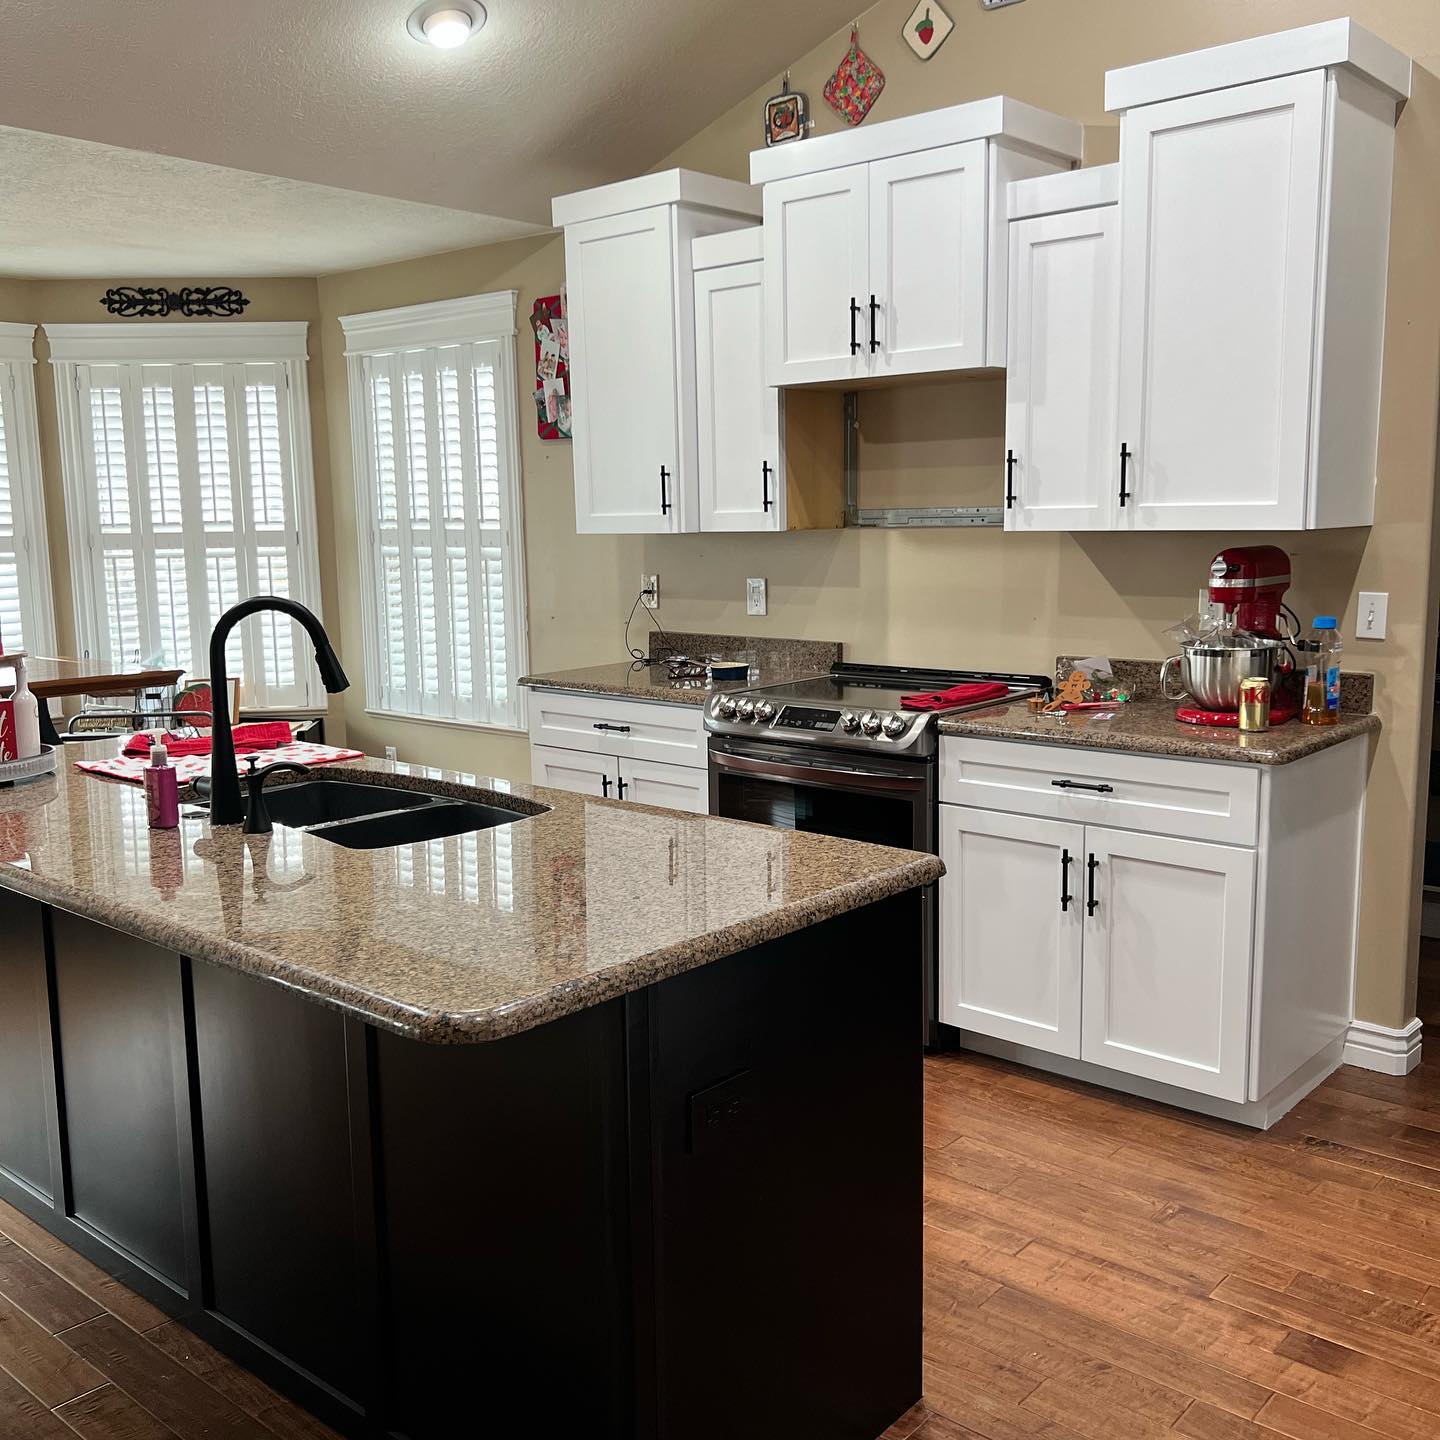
[(446, 23)]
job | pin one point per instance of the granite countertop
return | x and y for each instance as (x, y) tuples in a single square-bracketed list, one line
[(452, 942), (1149, 727), (773, 661)]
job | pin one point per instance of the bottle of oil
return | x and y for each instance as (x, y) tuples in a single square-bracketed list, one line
[(1322, 673)]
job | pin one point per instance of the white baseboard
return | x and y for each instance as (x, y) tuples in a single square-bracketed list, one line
[(1378, 1047)]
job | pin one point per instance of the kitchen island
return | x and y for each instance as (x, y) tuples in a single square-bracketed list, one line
[(611, 1113)]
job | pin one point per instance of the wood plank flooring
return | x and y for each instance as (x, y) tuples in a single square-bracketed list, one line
[(1096, 1267)]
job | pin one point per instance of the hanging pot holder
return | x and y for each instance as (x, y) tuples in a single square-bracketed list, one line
[(856, 84)]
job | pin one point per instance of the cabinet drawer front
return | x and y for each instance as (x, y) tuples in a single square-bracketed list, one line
[(1193, 799), (671, 787), (648, 730)]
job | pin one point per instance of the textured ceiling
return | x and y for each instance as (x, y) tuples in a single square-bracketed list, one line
[(553, 95), (74, 208)]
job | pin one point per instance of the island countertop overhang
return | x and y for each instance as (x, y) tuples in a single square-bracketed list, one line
[(459, 941)]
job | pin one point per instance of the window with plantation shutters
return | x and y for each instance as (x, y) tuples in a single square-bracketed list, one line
[(188, 489), (26, 618), (433, 408)]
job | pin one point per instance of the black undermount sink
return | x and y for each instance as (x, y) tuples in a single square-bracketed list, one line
[(375, 817)]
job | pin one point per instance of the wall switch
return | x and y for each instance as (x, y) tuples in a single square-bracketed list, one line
[(650, 591), (390, 753), (755, 603), (1371, 613)]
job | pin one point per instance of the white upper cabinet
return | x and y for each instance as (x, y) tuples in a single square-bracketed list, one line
[(632, 344), (885, 247), (767, 460), (1254, 239), (1061, 469)]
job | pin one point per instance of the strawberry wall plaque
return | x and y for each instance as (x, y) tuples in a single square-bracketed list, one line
[(856, 84), (927, 28)]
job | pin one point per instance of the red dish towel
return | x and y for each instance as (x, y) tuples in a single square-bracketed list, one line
[(968, 694), (266, 735)]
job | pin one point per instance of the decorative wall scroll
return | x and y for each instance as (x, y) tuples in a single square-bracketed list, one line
[(133, 302), (552, 367)]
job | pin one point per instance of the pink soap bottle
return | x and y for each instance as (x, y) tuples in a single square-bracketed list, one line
[(162, 790)]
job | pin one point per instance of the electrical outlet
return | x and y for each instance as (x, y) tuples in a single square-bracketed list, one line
[(755, 603), (390, 753), (650, 591), (1372, 611)]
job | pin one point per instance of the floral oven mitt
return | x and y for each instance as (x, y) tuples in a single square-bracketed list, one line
[(856, 84)]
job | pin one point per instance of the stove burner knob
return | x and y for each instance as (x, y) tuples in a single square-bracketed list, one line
[(745, 710), (870, 723), (893, 726), (725, 707), (765, 711), (849, 722)]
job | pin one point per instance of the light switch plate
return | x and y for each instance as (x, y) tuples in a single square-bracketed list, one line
[(755, 602), (650, 583), (1371, 614)]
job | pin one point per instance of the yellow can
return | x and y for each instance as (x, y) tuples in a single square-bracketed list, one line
[(1255, 703)]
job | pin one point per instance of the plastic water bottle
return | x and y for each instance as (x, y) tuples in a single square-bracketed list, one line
[(1322, 673)]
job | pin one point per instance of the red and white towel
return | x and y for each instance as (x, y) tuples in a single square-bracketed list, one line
[(132, 768)]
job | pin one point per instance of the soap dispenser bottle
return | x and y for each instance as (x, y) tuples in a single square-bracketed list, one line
[(162, 791)]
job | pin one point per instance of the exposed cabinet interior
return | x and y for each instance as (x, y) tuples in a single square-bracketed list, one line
[(768, 459)]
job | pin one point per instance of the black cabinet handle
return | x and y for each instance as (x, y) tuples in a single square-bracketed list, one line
[(854, 316), (1083, 785), (605, 786), (1091, 903), (1009, 479), (1065, 896), (765, 501), (664, 491), (1126, 455), (874, 343), (620, 788), (618, 729)]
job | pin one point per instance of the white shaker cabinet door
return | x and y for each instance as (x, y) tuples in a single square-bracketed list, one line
[(1061, 457), (1220, 203), (737, 413), (1168, 959), (621, 278), (1011, 924), (817, 276), (573, 770), (672, 787), (925, 305)]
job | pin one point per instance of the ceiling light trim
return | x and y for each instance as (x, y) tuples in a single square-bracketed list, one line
[(423, 13)]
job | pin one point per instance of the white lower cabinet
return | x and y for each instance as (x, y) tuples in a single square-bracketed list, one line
[(645, 782), (1011, 927), (1210, 967)]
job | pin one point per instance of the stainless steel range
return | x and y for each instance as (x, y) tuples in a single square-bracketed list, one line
[(837, 754)]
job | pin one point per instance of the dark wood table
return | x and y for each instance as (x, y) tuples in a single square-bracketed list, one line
[(51, 678)]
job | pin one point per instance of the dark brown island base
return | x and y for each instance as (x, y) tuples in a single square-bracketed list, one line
[(613, 1113)]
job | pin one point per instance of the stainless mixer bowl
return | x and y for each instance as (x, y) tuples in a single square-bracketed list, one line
[(1211, 674)]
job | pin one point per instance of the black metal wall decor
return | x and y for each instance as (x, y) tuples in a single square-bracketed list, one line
[(133, 302)]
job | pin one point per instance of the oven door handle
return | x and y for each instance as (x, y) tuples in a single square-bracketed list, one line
[(817, 775)]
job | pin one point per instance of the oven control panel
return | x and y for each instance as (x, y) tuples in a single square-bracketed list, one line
[(802, 717)]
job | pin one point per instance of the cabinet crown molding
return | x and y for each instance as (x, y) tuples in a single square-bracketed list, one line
[(665, 187), (1068, 190), (1331, 43), (996, 118)]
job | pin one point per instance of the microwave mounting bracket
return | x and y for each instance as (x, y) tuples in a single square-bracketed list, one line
[(900, 517)]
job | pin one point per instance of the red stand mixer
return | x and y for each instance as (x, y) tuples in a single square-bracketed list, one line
[(1248, 582)]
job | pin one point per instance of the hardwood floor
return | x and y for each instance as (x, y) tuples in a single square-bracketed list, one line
[(1096, 1267)]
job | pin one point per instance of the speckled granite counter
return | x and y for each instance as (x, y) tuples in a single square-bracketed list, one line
[(1149, 727), (772, 662), (456, 941)]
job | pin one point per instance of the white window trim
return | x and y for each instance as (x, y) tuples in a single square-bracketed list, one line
[(17, 370), (469, 319), (281, 342)]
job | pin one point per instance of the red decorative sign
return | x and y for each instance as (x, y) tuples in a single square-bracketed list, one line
[(552, 367)]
